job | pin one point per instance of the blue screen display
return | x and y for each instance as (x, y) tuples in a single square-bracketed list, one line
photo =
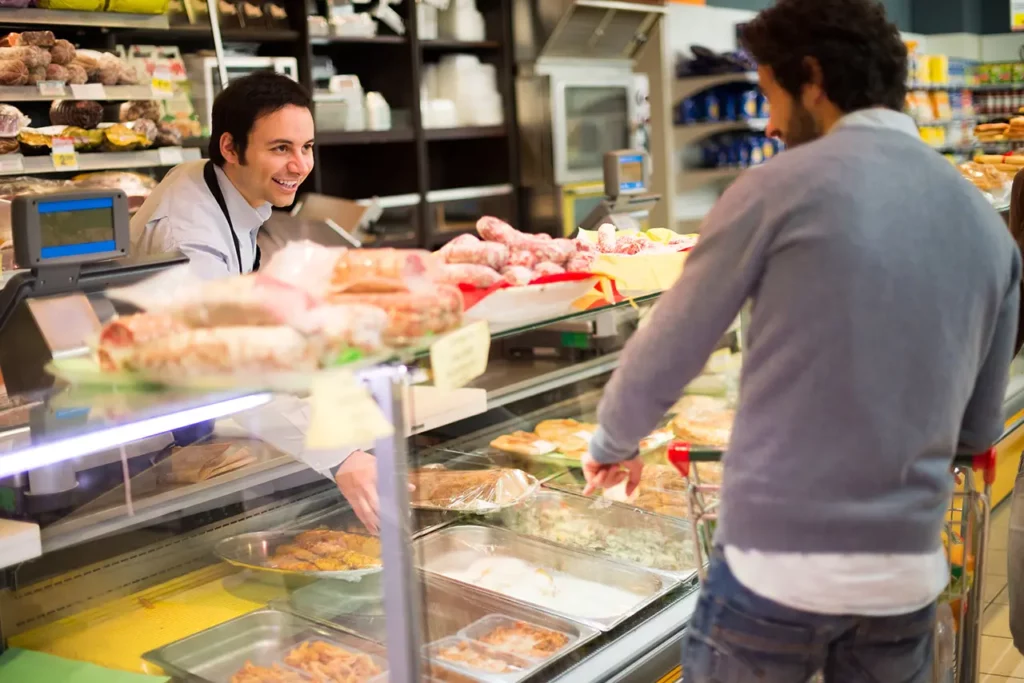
[(76, 227), (631, 173)]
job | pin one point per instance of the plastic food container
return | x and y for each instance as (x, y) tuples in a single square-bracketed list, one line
[(479, 630)]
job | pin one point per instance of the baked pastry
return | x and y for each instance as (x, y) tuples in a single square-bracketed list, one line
[(571, 438), (703, 421), (523, 443), (469, 489)]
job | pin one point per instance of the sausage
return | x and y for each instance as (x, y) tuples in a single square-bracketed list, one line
[(556, 251), (523, 257), (548, 268), (412, 315), (630, 245), (496, 230), (517, 275), (470, 274), (581, 263), (473, 251)]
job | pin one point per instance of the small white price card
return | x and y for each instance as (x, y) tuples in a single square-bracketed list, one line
[(162, 84), (88, 91), (63, 155), (51, 88), (12, 163), (343, 413), (458, 358), (170, 156)]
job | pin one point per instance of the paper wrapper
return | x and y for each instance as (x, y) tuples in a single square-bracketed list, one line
[(470, 490)]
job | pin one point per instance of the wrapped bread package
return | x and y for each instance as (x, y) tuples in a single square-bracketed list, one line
[(224, 350), (248, 300), (381, 270), (415, 314), (119, 336), (470, 490)]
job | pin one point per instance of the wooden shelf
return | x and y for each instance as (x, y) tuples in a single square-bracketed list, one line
[(465, 133), (447, 44), (364, 137), (357, 40)]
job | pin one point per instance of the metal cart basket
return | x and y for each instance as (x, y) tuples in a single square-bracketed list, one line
[(965, 534)]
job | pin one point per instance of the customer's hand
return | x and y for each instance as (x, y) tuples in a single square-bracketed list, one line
[(357, 481), (600, 476)]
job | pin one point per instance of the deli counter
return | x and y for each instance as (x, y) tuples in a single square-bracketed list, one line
[(195, 536), (178, 531)]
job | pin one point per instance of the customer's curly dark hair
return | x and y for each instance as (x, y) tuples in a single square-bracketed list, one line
[(863, 59)]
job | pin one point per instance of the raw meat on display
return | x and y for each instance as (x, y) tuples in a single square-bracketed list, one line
[(469, 273), (581, 263), (606, 238), (547, 268), (468, 249), (523, 257), (517, 275)]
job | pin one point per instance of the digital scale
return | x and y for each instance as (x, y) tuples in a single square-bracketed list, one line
[(72, 246), (627, 202)]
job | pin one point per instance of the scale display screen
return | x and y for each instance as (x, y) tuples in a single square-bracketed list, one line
[(76, 227), (67, 228), (631, 173)]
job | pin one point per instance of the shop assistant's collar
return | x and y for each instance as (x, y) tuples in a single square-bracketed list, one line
[(880, 117), (244, 217)]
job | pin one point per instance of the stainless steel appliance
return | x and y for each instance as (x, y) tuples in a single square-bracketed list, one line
[(577, 95)]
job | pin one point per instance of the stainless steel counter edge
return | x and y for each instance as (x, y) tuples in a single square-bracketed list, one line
[(644, 654)]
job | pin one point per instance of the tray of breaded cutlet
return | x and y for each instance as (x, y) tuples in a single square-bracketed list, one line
[(322, 553)]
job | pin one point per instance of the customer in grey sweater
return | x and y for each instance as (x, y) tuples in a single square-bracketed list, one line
[(884, 295)]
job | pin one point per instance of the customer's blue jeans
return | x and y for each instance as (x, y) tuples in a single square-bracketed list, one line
[(737, 636)]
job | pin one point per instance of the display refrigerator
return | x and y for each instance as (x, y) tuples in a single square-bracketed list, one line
[(195, 535)]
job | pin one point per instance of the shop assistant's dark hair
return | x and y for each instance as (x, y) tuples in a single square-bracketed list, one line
[(244, 100), (863, 59)]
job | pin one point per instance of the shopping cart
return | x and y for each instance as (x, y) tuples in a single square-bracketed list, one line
[(966, 534)]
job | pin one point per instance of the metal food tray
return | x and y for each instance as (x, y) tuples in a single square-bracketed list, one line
[(262, 637), (254, 550), (451, 548), (607, 514), (455, 609)]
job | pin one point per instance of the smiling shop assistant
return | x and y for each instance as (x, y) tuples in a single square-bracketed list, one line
[(261, 149)]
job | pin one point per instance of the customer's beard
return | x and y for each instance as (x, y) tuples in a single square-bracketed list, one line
[(802, 128)]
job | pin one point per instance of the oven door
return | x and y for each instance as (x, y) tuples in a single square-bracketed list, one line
[(589, 117)]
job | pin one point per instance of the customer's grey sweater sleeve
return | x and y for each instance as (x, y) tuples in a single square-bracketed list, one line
[(686, 325), (983, 420)]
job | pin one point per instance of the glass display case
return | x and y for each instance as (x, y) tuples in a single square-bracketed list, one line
[(195, 536)]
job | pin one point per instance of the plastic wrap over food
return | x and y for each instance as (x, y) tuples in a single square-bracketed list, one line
[(12, 121), (470, 490), (381, 270), (246, 300), (341, 327), (483, 277), (612, 531), (19, 185), (304, 264), (140, 109), (704, 421), (413, 315), (224, 350), (137, 187), (125, 332)]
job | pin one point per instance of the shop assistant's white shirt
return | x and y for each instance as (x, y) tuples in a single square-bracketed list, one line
[(836, 584), (182, 214)]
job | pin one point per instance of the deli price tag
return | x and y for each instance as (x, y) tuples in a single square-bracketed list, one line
[(162, 85), (458, 358), (170, 156), (51, 88), (343, 413), (89, 91), (12, 163), (63, 155)]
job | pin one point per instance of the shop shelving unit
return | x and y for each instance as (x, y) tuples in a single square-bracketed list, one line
[(464, 164)]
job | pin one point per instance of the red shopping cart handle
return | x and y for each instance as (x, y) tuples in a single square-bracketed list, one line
[(681, 454), (982, 462)]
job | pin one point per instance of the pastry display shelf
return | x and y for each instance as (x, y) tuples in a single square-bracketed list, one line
[(31, 16), (91, 91), (101, 161)]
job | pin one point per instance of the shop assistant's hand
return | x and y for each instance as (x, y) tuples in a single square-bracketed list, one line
[(357, 481), (600, 476)]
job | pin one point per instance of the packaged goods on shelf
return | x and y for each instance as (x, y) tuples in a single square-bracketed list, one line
[(738, 150), (12, 121), (137, 187)]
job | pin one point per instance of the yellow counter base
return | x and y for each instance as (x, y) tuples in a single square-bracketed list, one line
[(118, 633)]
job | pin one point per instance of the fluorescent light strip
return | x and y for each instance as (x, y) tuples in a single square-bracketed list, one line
[(86, 444)]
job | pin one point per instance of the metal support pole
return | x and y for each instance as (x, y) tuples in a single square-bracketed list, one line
[(218, 44), (401, 584)]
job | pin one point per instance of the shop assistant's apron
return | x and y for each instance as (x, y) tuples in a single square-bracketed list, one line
[(210, 176)]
